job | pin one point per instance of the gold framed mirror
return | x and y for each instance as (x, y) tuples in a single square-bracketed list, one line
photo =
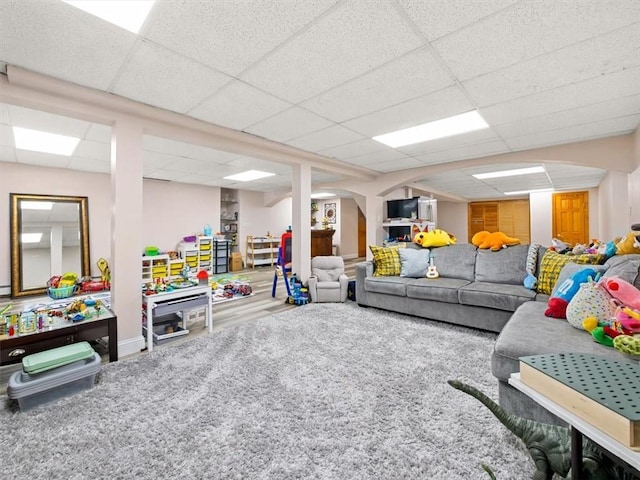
[(49, 236)]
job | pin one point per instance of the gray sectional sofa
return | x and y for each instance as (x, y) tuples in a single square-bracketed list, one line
[(484, 289)]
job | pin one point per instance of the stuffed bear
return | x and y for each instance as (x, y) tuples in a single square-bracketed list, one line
[(495, 241), (434, 238), (628, 244)]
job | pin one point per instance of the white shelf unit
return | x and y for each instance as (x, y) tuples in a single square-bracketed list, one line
[(262, 251), (229, 212), (160, 267), (199, 255)]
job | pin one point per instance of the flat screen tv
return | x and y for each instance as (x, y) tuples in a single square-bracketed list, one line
[(404, 208)]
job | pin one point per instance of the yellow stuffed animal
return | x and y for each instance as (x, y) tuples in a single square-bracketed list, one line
[(495, 241), (434, 238), (628, 244)]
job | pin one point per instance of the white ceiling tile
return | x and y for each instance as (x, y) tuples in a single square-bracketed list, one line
[(7, 154), (601, 129), (604, 88), (6, 135), (346, 42), (4, 114), (325, 138), (41, 159), (160, 174), (389, 155), (412, 75), (62, 41), (90, 164), (99, 133), (589, 59), (578, 116), (210, 32), (160, 77), (47, 122), (399, 164), (289, 124), (355, 149), (248, 163), (435, 106), (455, 141), (93, 150), (530, 29), (237, 106), (436, 19), (186, 150), (462, 153)]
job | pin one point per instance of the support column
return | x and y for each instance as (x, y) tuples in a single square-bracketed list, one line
[(301, 216), (126, 235), (373, 213)]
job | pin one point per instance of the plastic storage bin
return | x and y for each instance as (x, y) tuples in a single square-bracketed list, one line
[(32, 391)]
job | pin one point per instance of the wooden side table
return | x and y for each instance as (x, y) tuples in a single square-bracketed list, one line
[(579, 428)]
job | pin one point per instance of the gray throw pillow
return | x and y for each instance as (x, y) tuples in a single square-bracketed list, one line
[(413, 263)]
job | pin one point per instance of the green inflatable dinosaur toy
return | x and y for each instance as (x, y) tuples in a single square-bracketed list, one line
[(550, 445)]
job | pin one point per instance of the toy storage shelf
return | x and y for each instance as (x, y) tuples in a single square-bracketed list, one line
[(221, 253), (229, 214), (262, 251)]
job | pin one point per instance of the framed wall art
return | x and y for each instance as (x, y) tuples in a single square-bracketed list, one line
[(330, 212)]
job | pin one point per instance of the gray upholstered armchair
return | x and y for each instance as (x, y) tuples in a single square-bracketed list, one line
[(328, 282)]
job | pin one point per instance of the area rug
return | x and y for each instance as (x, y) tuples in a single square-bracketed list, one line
[(323, 391)]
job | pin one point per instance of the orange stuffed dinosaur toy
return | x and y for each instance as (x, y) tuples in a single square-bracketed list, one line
[(495, 241)]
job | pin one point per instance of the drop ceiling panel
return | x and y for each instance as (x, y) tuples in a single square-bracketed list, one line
[(325, 138), (41, 159), (248, 163), (292, 123), (160, 77), (6, 136), (7, 154), (62, 41), (436, 19), (160, 174), (605, 88), (605, 128), (316, 60), (434, 106), (441, 144), (530, 29), (576, 63), (461, 153), (186, 150), (210, 32), (412, 75), (93, 150), (47, 122), (399, 164), (577, 116), (388, 155), (237, 106), (99, 133), (86, 164), (355, 149)]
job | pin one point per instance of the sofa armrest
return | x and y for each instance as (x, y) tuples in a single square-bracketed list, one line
[(363, 270), (313, 287)]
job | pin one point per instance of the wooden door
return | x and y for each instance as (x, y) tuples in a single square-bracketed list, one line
[(513, 219), (571, 217), (482, 216), (362, 234)]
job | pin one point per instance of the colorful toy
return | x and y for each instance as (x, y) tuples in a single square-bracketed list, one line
[(494, 241), (557, 304), (627, 344), (559, 246), (432, 271), (531, 281), (591, 300), (622, 291), (434, 238), (630, 243)]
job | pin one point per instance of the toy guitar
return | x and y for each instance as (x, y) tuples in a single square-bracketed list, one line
[(432, 271)]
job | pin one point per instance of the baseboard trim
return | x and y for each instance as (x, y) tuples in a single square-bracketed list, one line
[(130, 346)]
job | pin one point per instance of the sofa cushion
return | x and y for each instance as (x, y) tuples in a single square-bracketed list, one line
[(390, 285), (507, 265), (626, 267), (499, 296), (439, 289), (413, 263), (552, 263), (386, 260), (529, 332), (456, 261)]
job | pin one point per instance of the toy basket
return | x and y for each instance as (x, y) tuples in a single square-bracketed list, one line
[(61, 292)]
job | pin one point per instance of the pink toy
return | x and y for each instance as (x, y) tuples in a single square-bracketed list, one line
[(626, 294), (629, 319)]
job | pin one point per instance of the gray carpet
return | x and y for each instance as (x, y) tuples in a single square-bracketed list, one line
[(324, 391)]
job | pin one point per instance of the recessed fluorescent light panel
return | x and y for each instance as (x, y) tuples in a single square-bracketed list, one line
[(322, 195), (31, 237), (129, 15), (37, 141), (36, 205), (509, 173), (249, 175), (447, 127), (523, 192)]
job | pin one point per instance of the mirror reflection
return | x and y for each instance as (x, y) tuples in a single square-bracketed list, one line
[(49, 236)]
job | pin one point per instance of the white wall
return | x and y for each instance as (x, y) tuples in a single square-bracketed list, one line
[(452, 218), (347, 237)]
